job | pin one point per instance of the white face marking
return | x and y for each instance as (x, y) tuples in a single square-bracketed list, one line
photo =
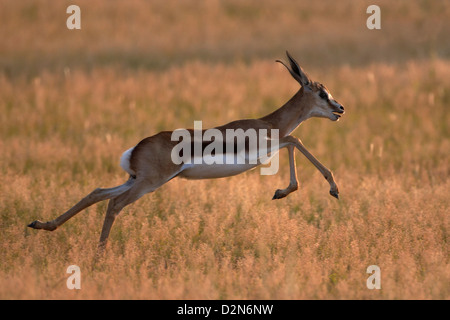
[(329, 96), (331, 99), (325, 106)]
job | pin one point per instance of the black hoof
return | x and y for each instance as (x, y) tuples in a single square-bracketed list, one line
[(277, 195), (40, 225), (32, 225), (335, 194)]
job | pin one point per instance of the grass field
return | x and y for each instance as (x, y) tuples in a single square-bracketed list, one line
[(71, 101)]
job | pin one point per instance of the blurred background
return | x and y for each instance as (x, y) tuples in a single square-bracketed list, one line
[(154, 35)]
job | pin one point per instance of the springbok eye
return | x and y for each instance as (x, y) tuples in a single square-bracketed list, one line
[(323, 95)]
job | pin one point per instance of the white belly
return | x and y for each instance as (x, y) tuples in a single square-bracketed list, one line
[(210, 171)]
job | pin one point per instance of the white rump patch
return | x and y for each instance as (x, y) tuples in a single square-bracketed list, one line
[(125, 161)]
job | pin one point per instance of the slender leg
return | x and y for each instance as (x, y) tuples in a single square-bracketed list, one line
[(290, 140), (293, 182), (92, 198), (115, 205)]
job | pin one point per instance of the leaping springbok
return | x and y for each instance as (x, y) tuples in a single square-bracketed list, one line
[(150, 164)]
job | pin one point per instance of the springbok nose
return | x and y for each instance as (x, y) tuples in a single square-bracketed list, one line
[(341, 107)]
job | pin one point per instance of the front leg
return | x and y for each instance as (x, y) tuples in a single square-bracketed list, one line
[(293, 141), (293, 183)]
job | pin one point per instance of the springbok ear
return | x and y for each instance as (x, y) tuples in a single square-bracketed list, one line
[(293, 74), (300, 75)]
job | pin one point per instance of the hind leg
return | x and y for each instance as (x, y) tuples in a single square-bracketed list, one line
[(115, 205), (148, 183), (95, 196)]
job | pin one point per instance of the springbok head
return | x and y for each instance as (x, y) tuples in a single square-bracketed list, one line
[(317, 96)]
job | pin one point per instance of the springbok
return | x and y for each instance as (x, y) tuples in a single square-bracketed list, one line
[(150, 165)]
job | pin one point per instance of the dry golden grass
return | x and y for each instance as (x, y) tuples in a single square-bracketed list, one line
[(72, 101)]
